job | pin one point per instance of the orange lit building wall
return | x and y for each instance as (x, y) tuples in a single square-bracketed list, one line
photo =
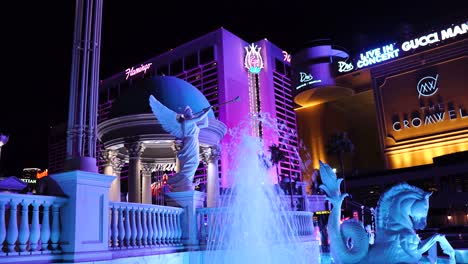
[(352, 114), (310, 128)]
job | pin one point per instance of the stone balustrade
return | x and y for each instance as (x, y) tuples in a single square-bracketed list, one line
[(210, 220), (29, 224), (134, 225)]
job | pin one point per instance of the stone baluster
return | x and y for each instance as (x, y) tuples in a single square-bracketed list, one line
[(121, 226), (163, 227), (134, 227), (144, 217), (12, 234), (35, 234), (24, 227), (179, 227), (210, 157), (45, 228), (139, 227), (176, 229), (150, 226), (114, 230), (155, 227), (159, 226), (2, 224), (146, 171), (135, 150), (55, 234), (128, 230), (171, 232), (169, 228)]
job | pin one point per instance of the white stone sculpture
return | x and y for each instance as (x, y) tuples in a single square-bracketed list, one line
[(400, 212), (182, 126)]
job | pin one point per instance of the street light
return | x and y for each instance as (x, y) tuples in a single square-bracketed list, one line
[(3, 141)]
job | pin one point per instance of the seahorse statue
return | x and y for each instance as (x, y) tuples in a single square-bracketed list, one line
[(400, 212)]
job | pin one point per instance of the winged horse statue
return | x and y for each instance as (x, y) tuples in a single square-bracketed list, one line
[(400, 212), (182, 126)]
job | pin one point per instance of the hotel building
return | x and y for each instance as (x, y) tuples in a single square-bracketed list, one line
[(404, 105), (222, 66)]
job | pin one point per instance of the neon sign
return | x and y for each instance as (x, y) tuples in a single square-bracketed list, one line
[(344, 66), (427, 86), (306, 79), (131, 71), (253, 59), (286, 56), (29, 180), (377, 55), (435, 37)]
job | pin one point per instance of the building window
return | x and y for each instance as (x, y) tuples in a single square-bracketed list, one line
[(163, 71), (279, 66), (191, 61), (176, 67), (207, 55)]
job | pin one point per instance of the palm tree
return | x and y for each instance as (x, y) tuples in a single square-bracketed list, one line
[(338, 145), (278, 155)]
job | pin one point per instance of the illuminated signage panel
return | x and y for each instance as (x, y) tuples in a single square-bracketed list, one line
[(426, 102), (344, 66), (286, 57), (392, 51), (435, 37), (305, 80), (132, 71), (377, 55), (253, 60)]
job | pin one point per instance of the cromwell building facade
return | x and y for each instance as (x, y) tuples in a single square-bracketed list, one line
[(404, 105)]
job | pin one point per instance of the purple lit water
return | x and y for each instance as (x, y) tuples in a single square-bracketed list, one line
[(254, 227)]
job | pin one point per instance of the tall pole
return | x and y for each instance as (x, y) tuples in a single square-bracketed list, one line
[(84, 87)]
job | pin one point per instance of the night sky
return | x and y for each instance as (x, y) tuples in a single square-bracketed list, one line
[(37, 46)]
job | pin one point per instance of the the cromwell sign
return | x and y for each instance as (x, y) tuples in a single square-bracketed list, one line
[(426, 102)]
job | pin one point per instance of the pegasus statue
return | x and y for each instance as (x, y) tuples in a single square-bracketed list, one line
[(182, 126), (400, 212)]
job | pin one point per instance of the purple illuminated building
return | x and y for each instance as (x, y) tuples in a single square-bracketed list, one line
[(222, 66)]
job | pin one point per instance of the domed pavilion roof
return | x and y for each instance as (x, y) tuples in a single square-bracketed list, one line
[(173, 92)]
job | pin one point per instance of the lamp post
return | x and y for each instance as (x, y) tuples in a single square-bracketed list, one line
[(3, 141)]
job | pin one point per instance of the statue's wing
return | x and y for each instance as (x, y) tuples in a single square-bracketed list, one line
[(166, 117)]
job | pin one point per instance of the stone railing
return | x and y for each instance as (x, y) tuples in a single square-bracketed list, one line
[(209, 220), (135, 225), (29, 224)]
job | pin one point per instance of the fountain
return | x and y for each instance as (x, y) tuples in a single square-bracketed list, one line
[(252, 225)]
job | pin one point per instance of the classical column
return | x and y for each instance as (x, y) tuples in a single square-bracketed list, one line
[(210, 156), (117, 165), (135, 149), (112, 166), (146, 170), (108, 156), (176, 146)]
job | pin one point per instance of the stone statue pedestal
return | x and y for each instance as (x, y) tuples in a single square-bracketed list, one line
[(190, 201)]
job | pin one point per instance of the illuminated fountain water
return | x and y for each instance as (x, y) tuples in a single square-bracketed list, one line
[(252, 225)]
